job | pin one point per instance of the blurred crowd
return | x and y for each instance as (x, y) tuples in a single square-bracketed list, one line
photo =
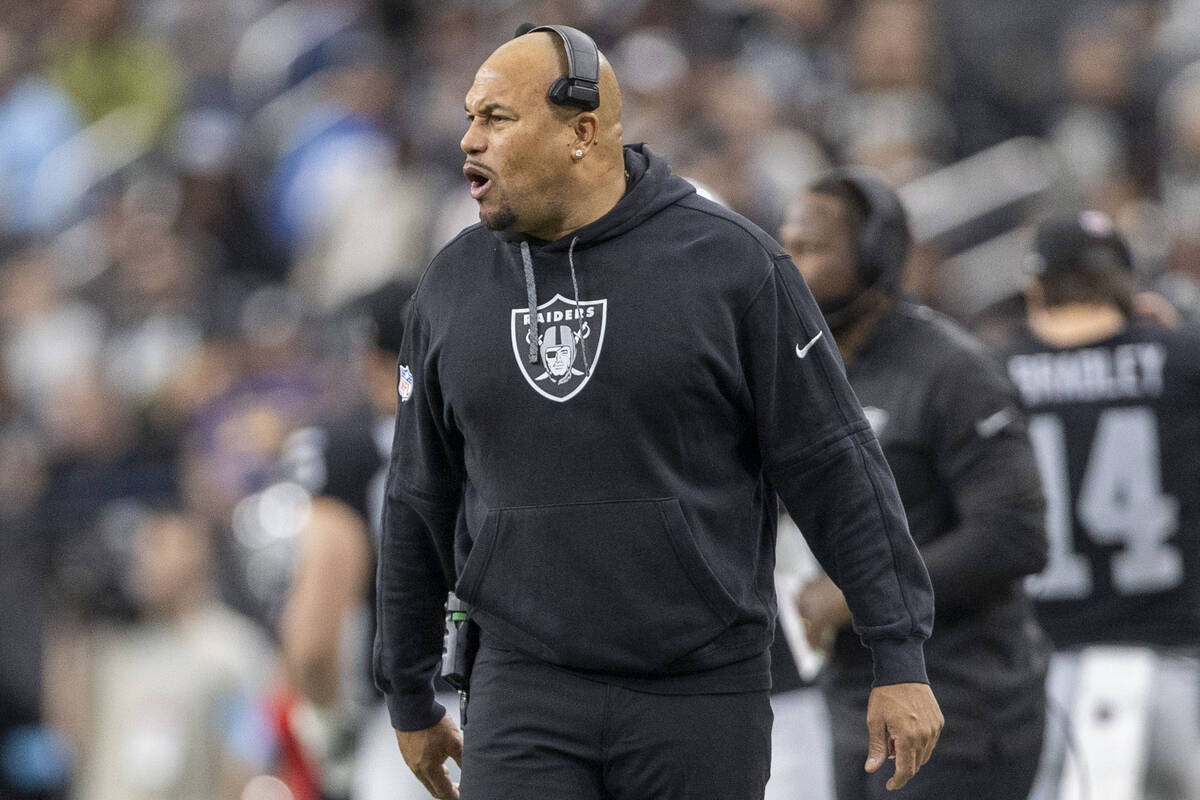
[(196, 194)]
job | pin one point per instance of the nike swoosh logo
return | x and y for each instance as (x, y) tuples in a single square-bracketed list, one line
[(801, 352), (990, 426)]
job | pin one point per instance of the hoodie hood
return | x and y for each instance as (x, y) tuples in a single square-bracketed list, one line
[(650, 187)]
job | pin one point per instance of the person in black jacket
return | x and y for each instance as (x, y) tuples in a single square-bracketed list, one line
[(951, 429), (610, 526)]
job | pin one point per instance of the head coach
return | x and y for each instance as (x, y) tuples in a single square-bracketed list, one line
[(604, 385)]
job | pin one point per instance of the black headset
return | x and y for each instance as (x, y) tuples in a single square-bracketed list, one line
[(580, 87), (882, 246)]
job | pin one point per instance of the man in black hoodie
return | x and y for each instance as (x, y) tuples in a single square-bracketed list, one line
[(613, 532), (950, 425)]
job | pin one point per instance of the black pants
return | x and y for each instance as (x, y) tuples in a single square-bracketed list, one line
[(534, 731)]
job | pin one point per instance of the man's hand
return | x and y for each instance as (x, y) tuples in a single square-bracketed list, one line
[(904, 722), (823, 608), (426, 752)]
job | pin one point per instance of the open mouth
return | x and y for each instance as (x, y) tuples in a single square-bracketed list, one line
[(478, 179)]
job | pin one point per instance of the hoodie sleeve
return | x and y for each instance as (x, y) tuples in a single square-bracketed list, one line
[(985, 459), (826, 464), (416, 553)]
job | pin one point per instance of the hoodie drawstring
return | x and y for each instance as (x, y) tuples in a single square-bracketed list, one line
[(575, 285), (531, 296)]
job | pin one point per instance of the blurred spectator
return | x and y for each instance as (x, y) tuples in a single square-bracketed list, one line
[(33, 763), (1179, 182), (169, 706), (100, 469), (155, 293), (206, 149), (202, 35), (1103, 126), (95, 455), (1177, 32), (36, 119), (49, 333), (795, 46), (231, 453), (339, 199), (894, 119), (1002, 76), (754, 159), (106, 65), (658, 95)]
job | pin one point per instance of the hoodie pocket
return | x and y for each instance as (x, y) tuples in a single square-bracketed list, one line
[(617, 586)]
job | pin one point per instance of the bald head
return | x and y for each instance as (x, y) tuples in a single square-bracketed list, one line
[(536, 167), (541, 58)]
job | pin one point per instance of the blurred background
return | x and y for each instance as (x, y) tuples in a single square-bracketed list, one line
[(212, 210)]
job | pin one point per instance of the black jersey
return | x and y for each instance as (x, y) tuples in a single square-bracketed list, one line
[(345, 459), (1116, 429)]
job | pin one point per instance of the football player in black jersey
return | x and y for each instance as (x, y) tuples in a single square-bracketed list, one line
[(951, 429), (1114, 404)]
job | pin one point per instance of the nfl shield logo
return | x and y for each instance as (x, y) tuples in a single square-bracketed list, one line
[(406, 384), (570, 337)]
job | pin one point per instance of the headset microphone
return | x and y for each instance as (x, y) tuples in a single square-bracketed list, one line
[(580, 87)]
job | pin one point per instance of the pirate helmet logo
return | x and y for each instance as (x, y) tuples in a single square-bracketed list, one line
[(570, 336), (558, 354)]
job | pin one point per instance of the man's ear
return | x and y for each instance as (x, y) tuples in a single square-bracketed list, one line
[(586, 127)]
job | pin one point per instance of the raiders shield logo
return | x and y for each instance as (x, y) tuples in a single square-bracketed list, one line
[(566, 331)]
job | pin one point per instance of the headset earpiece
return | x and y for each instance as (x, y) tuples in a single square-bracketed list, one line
[(580, 87)]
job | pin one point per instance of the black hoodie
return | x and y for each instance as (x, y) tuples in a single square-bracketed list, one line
[(610, 507)]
